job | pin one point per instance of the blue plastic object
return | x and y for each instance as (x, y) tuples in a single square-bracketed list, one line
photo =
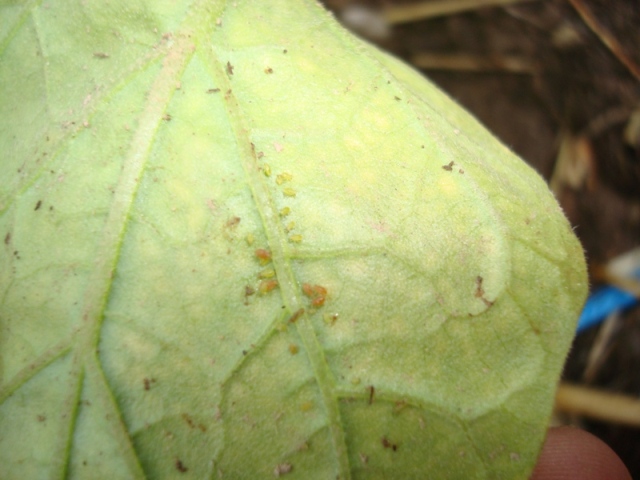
[(604, 302)]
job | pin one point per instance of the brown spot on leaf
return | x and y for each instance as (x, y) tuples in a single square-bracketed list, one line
[(38, 205), (317, 294), (282, 469), (180, 466), (147, 382), (386, 443), (313, 290), (233, 222), (229, 68), (479, 293), (399, 406), (448, 167), (479, 290), (263, 255), (187, 418), (319, 290), (268, 70), (101, 55), (296, 315), (372, 391), (267, 285), (307, 289), (213, 90), (7, 238)]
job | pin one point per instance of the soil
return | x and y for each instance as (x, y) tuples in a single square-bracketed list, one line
[(559, 82)]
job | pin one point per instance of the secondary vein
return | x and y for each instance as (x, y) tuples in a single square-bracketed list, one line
[(101, 278)]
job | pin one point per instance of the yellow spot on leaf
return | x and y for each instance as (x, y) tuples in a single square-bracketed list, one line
[(283, 177), (295, 238), (330, 318), (269, 273)]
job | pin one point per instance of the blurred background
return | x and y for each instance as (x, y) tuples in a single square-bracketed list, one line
[(558, 81)]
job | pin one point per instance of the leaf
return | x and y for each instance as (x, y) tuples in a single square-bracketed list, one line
[(241, 243)]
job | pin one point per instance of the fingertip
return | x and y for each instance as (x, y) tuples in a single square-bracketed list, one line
[(571, 454)]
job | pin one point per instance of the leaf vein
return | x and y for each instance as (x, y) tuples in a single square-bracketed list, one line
[(280, 256)]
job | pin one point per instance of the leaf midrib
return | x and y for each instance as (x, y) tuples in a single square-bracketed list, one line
[(280, 257)]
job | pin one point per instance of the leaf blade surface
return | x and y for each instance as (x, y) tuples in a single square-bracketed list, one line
[(421, 288)]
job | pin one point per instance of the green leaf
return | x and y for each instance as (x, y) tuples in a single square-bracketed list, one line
[(241, 243)]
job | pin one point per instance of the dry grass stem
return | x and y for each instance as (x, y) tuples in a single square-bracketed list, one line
[(574, 166), (395, 14), (598, 405), (605, 36), (473, 63), (602, 347)]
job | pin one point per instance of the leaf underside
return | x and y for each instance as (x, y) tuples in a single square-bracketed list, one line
[(241, 243)]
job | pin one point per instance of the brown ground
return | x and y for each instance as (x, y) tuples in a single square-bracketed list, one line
[(541, 75)]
